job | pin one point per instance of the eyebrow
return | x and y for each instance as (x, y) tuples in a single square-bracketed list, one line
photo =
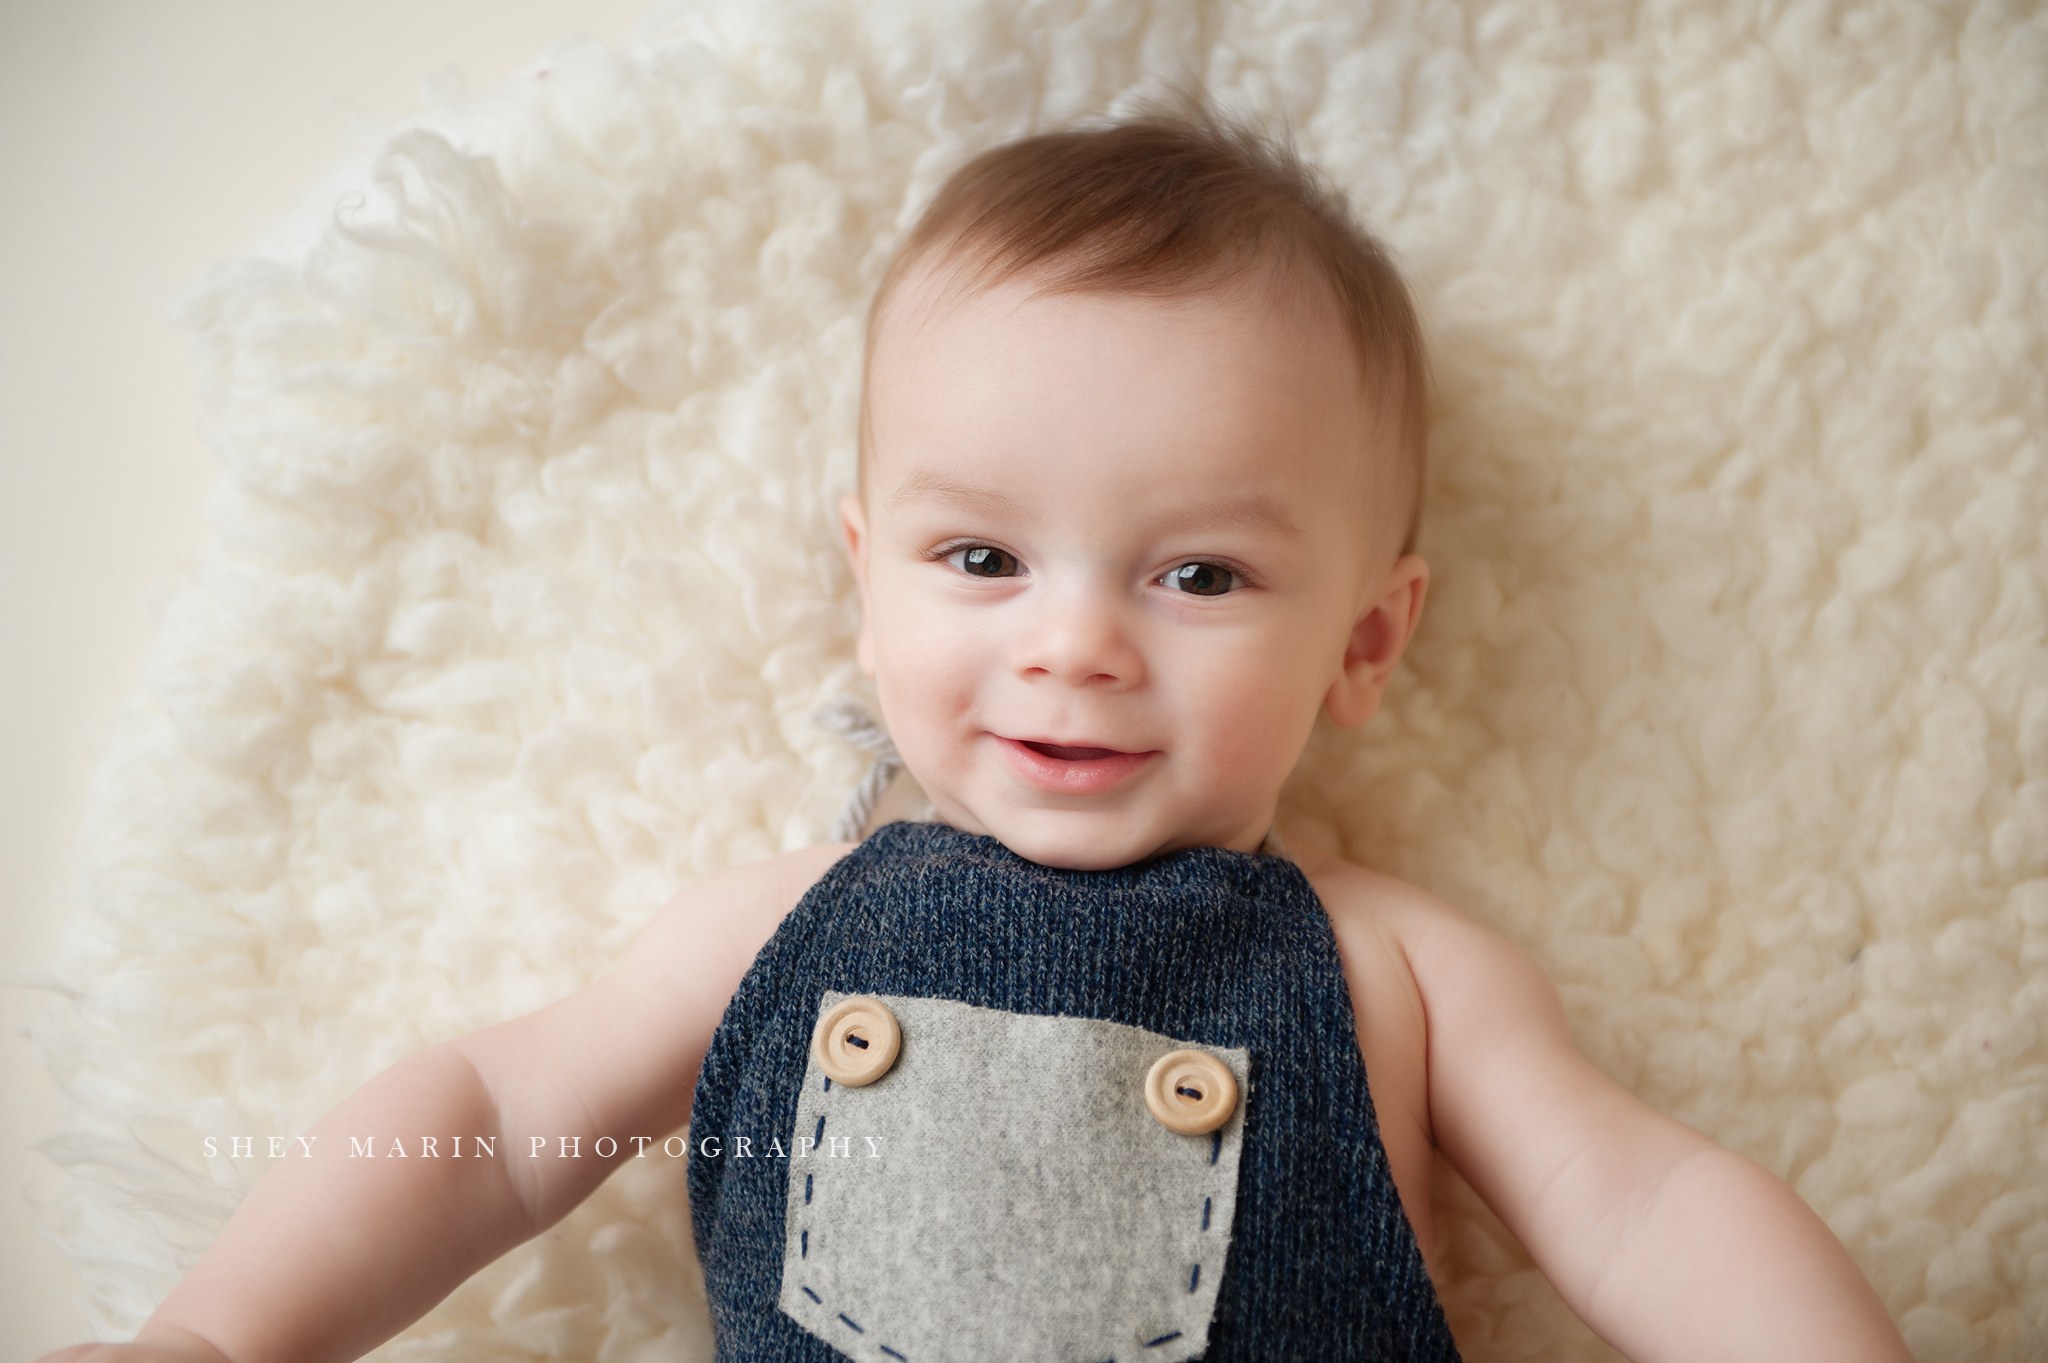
[(1243, 513), (927, 486)]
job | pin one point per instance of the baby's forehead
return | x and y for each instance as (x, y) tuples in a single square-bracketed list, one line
[(1249, 327)]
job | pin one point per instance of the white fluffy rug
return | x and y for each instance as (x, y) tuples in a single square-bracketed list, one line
[(1731, 704)]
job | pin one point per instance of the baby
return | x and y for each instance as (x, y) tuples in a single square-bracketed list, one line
[(1078, 1069)]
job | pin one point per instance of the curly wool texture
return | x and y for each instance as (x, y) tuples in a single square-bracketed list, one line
[(1731, 704)]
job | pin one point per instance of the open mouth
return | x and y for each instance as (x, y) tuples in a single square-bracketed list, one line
[(1063, 754), (1070, 768)]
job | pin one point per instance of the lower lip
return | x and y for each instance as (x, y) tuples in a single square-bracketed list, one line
[(1089, 776)]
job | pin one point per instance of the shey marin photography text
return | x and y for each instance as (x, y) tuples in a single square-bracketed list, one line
[(537, 1147)]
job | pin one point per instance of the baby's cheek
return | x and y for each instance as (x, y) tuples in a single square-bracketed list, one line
[(1260, 710), (934, 655), (926, 675)]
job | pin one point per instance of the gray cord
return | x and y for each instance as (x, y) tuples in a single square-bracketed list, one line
[(847, 718)]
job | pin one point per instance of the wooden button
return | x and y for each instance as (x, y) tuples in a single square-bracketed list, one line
[(856, 1042), (1191, 1092)]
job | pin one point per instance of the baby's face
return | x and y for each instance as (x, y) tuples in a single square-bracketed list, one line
[(1114, 557)]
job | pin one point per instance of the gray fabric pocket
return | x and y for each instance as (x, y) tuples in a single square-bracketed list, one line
[(1003, 1194)]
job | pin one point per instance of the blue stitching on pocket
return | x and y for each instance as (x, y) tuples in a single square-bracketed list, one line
[(1155, 1343), (856, 1324), (805, 1251), (1205, 1213), (1195, 1277)]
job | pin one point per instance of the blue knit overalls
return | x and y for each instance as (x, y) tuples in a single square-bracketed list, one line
[(1223, 949)]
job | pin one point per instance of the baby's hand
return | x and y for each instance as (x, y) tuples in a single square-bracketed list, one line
[(156, 1344)]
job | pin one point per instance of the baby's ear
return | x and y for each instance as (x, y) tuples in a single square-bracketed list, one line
[(853, 527), (1377, 640)]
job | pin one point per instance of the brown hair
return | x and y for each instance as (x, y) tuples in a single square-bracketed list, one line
[(1174, 205)]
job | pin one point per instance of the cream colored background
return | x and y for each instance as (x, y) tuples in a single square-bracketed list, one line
[(139, 140)]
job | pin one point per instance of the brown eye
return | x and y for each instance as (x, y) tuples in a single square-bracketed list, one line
[(984, 561), (1200, 579)]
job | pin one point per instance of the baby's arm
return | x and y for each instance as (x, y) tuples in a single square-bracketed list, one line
[(328, 1256), (1667, 1245), (1670, 1247)]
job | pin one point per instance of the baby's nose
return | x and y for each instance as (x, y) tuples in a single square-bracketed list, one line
[(1080, 639)]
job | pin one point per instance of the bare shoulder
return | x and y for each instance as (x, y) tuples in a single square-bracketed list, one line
[(1376, 918), (1434, 936), (1482, 995), (1361, 894), (622, 1054), (735, 911), (1462, 971)]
